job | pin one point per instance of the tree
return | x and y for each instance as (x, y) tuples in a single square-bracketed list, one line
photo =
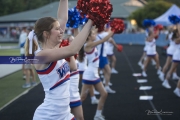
[(14, 6), (150, 11)]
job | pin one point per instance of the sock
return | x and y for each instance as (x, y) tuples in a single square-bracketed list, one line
[(93, 98), (98, 112)]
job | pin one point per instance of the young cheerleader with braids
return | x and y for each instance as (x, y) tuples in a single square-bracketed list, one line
[(53, 71), (90, 75)]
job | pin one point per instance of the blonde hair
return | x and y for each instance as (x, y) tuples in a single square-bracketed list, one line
[(34, 48)]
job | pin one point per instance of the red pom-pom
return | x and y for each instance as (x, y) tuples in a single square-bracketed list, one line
[(99, 11), (82, 5), (158, 27), (119, 48), (117, 26), (63, 44)]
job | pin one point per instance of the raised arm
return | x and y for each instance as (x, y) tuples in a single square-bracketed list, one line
[(62, 13), (72, 49), (94, 44), (113, 42)]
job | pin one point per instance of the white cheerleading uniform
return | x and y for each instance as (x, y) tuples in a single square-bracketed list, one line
[(172, 48), (75, 99), (110, 49), (151, 48), (90, 75), (176, 55), (82, 66), (55, 81)]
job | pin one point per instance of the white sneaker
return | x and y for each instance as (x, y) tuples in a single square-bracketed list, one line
[(153, 62), (100, 117), (104, 82), (96, 92), (166, 84), (159, 71), (109, 90), (161, 76), (114, 71), (144, 74), (95, 101), (26, 85), (140, 63), (177, 92), (142, 67), (175, 77)]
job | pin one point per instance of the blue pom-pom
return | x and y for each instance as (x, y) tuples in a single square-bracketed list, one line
[(174, 19), (74, 18), (148, 23)]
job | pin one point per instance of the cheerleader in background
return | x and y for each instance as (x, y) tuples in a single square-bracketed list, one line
[(90, 75), (103, 61), (175, 61), (75, 100), (82, 64), (144, 56), (170, 50), (151, 52)]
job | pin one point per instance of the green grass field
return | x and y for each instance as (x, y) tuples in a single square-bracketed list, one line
[(9, 52), (11, 85)]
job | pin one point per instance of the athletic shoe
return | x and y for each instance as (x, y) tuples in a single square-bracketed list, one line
[(114, 71), (153, 62), (96, 92), (95, 101), (175, 77), (140, 63), (100, 117), (104, 82), (109, 90), (33, 83), (161, 76), (159, 71), (26, 85), (177, 92), (144, 74), (166, 84), (24, 77)]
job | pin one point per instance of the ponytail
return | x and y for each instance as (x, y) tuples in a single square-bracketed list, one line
[(34, 47), (31, 44), (81, 55)]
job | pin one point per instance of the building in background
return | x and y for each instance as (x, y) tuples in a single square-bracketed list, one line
[(10, 25)]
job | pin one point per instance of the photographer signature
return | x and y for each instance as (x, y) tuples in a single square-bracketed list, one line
[(155, 112)]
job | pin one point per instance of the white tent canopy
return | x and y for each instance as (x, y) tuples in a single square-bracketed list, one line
[(163, 19)]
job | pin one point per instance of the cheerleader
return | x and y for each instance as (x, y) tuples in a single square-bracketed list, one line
[(75, 100), (175, 59), (151, 52), (91, 76), (82, 64), (170, 50), (103, 61)]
